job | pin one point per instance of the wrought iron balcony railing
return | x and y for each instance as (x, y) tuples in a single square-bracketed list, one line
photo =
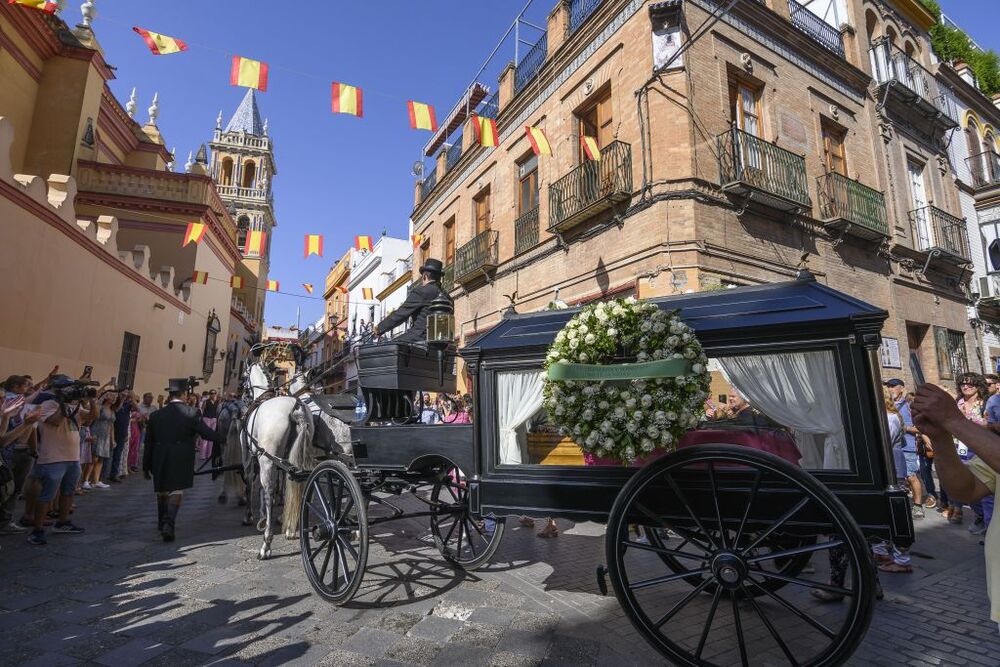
[(477, 256), (453, 155), (815, 27), (490, 107), (891, 65), (934, 229), (580, 11), (985, 169), (427, 186), (591, 187), (843, 200), (532, 61), (526, 231), (749, 162)]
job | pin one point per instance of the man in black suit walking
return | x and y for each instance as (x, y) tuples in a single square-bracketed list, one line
[(415, 306), (169, 452)]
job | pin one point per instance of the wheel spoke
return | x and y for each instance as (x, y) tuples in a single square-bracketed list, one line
[(683, 602), (795, 610), (739, 631), (746, 511), (715, 501), (770, 628), (326, 561), (458, 544), (805, 582), (338, 502), (777, 524), (347, 546), (447, 538), (319, 514), (468, 536), (661, 550), (336, 564), (796, 551), (668, 578), (313, 554), (708, 623), (344, 570), (681, 497), (323, 500)]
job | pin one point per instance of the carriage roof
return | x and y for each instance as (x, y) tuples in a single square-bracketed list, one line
[(794, 307)]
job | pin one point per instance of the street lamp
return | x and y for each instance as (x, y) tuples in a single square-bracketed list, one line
[(440, 328)]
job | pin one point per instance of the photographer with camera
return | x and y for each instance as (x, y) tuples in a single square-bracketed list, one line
[(169, 455), (61, 408)]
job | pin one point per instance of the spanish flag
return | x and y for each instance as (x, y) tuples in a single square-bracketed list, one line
[(590, 148), (236, 282), (486, 130), (43, 5), (248, 73), (417, 240), (194, 233), (272, 285), (159, 44), (347, 99), (422, 116), (366, 293), (200, 277), (314, 245), (363, 243), (308, 286), (255, 242), (539, 142), (342, 289)]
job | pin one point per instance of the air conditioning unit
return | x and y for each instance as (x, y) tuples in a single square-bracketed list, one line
[(989, 287)]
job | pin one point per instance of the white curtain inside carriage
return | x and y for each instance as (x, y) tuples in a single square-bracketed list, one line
[(800, 391), (519, 398)]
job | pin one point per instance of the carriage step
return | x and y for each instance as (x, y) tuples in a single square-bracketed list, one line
[(601, 581)]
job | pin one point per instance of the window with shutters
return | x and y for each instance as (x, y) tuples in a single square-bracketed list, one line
[(527, 188), (834, 156), (449, 242), (129, 359), (596, 120), (481, 209), (745, 106)]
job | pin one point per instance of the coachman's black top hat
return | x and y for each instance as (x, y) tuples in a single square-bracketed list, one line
[(180, 385), (433, 266)]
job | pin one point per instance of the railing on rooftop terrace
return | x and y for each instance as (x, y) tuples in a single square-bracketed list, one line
[(528, 68), (580, 11), (490, 107), (454, 154), (815, 27), (428, 183)]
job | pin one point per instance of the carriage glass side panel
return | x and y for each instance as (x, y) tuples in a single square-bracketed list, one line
[(789, 402)]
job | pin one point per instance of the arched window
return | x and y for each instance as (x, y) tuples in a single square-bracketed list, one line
[(226, 175), (249, 174), (212, 330), (242, 227)]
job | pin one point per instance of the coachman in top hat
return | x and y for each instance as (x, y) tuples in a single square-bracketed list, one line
[(169, 453), (415, 308)]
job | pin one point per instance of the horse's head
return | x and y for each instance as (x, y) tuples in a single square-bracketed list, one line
[(258, 381)]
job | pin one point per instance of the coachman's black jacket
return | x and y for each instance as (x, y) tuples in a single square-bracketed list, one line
[(171, 436)]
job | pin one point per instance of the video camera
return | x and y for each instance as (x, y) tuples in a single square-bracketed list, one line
[(67, 389)]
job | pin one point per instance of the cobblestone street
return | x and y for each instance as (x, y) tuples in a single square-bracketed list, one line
[(118, 596)]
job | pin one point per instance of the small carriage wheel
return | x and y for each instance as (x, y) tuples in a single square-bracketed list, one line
[(333, 532), (728, 501), (464, 540)]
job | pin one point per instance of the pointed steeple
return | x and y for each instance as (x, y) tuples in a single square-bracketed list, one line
[(247, 117)]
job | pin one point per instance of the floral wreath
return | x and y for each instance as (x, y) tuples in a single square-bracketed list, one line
[(625, 411)]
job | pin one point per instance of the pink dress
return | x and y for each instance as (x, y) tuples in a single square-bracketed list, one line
[(135, 432)]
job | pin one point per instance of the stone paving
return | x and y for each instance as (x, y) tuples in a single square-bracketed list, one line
[(117, 595)]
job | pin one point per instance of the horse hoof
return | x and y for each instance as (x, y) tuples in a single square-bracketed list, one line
[(261, 525)]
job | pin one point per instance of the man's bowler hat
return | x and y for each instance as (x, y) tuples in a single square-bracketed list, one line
[(432, 266)]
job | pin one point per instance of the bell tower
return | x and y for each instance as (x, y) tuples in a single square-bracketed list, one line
[(242, 167)]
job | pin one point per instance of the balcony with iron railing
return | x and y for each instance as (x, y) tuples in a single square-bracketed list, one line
[(984, 169), (532, 62), (427, 185), (847, 204), (904, 81), (490, 107), (580, 11), (477, 257), (940, 233), (453, 154), (816, 28), (593, 186), (526, 231), (750, 164)]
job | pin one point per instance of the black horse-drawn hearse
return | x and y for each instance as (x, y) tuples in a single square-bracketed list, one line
[(763, 509)]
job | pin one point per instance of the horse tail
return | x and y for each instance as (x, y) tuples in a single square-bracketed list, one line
[(298, 457), (232, 454)]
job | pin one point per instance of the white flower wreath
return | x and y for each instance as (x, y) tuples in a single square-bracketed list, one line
[(626, 419)]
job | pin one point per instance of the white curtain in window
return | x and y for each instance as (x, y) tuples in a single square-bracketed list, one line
[(798, 390), (519, 397)]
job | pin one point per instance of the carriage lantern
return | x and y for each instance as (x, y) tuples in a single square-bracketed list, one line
[(440, 328)]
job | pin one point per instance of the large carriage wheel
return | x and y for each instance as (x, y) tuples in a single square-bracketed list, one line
[(730, 505), (333, 532), (463, 540)]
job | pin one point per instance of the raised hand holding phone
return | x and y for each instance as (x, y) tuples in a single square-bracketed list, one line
[(916, 370)]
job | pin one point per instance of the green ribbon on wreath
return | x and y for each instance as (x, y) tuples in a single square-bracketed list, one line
[(662, 368)]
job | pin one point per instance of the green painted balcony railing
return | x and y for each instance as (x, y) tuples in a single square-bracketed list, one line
[(747, 161), (526, 231), (844, 199), (591, 187), (479, 255)]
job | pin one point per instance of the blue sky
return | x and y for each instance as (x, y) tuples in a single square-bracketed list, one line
[(337, 175)]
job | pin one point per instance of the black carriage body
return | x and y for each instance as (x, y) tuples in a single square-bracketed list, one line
[(785, 317)]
